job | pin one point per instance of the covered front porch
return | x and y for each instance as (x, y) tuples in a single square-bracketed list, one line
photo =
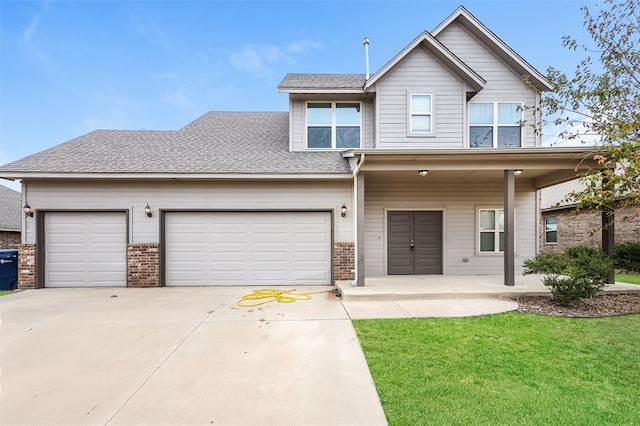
[(422, 211)]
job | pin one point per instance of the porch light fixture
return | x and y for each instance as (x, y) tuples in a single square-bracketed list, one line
[(517, 172), (423, 173), (343, 210), (147, 210), (28, 211)]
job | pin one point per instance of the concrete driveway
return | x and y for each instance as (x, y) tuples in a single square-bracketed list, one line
[(174, 356)]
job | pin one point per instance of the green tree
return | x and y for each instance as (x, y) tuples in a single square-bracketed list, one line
[(602, 98)]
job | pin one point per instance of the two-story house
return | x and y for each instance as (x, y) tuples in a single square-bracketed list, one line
[(428, 166)]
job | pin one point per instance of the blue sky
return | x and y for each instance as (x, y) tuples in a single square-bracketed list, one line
[(70, 67)]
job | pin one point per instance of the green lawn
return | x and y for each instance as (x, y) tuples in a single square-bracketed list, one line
[(507, 369), (3, 292), (628, 278)]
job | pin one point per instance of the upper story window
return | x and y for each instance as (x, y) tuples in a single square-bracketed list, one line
[(333, 125), (420, 109), (495, 125)]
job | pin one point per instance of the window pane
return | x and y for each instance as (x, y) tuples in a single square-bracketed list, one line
[(551, 236), (348, 137), (551, 230), (319, 113), (501, 241), (480, 137), (481, 114), (420, 124), (487, 220), (509, 113), (501, 220), (319, 137), (348, 114), (421, 104), (487, 241), (508, 137), (551, 224)]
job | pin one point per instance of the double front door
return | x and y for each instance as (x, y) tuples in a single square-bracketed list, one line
[(414, 242)]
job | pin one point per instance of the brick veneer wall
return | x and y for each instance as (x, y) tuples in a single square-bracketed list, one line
[(9, 240), (585, 228), (344, 261), (26, 266), (143, 265)]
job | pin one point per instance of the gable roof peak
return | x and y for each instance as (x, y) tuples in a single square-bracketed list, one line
[(495, 44), (440, 51)]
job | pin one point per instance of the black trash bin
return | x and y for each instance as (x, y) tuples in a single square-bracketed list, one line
[(8, 269)]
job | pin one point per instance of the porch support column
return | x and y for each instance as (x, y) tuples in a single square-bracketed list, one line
[(608, 238), (509, 216), (359, 231)]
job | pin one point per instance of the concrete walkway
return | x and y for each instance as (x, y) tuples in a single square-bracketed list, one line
[(173, 356), (416, 296)]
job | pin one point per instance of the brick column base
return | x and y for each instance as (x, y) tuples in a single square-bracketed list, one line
[(143, 265), (27, 266), (344, 261)]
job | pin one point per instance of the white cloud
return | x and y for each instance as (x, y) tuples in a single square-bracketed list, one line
[(303, 46), (31, 30), (178, 97), (262, 59)]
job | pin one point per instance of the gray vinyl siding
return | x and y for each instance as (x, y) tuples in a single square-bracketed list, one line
[(420, 73), (503, 84), (298, 122), (214, 195), (459, 203)]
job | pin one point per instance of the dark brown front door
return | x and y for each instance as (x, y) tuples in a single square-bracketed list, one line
[(414, 243)]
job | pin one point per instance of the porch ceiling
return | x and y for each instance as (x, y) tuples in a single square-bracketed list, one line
[(543, 166)]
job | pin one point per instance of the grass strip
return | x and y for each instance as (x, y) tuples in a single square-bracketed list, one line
[(628, 278), (505, 369)]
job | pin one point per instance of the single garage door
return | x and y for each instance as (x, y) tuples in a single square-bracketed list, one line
[(247, 248), (85, 249)]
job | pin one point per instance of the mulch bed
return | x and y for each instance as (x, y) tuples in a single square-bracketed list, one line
[(602, 305)]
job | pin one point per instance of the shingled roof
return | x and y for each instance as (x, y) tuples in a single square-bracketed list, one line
[(216, 143), (10, 209), (293, 81)]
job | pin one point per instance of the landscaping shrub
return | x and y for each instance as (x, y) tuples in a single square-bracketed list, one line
[(626, 256), (578, 273)]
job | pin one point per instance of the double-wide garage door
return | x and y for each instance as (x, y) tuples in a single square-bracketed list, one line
[(85, 249), (247, 248)]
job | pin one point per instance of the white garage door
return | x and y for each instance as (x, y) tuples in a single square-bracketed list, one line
[(247, 248), (85, 249)]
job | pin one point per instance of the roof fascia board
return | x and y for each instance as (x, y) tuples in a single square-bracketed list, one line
[(463, 69), (189, 176), (473, 152), (327, 91), (487, 34)]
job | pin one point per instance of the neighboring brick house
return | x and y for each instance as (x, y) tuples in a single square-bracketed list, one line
[(421, 168), (561, 226), (10, 218)]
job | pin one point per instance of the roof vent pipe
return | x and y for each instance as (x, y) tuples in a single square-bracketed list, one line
[(365, 41)]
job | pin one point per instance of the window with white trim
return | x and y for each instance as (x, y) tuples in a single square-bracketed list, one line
[(333, 125), (491, 230), (550, 230), (495, 125), (420, 122)]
